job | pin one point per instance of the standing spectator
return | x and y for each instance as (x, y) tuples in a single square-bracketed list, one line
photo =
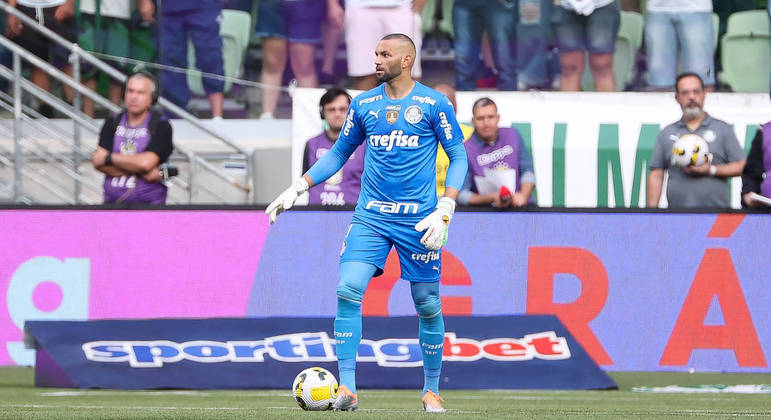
[(106, 30), (496, 148), (343, 187), (683, 23), (705, 185), (586, 25), (60, 19), (293, 26), (755, 176), (366, 21), (198, 21), (331, 33), (470, 19), (132, 146), (533, 44)]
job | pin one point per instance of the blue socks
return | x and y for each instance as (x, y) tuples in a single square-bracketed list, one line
[(430, 331), (347, 338), (354, 278)]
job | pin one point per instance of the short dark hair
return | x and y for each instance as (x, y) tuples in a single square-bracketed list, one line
[(687, 74), (483, 101), (401, 37), (331, 94)]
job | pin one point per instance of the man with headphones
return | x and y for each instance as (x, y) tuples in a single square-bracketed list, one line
[(343, 187), (133, 144)]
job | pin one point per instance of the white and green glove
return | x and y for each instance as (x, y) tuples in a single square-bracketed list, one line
[(286, 200), (437, 224)]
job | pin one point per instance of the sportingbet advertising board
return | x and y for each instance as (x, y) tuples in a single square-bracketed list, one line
[(479, 352), (638, 291), (590, 149)]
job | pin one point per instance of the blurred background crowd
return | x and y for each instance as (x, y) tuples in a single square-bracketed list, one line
[(268, 46)]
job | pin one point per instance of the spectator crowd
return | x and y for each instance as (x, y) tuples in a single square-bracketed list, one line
[(503, 44)]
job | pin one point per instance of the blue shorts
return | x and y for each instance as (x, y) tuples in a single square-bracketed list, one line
[(595, 33), (371, 243), (296, 21)]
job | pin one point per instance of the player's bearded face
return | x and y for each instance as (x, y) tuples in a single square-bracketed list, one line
[(388, 61), (389, 70)]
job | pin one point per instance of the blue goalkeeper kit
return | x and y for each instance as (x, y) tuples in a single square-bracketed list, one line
[(398, 189), (398, 186)]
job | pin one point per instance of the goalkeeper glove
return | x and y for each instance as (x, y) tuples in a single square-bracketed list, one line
[(436, 224), (286, 200)]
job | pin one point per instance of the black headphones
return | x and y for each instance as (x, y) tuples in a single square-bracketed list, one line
[(148, 75)]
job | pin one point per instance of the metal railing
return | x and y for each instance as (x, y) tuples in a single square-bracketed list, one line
[(69, 164)]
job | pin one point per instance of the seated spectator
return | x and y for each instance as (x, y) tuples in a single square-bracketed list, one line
[(291, 26), (198, 21), (132, 146), (60, 19), (704, 185), (366, 22), (496, 148), (586, 25), (107, 31), (344, 186), (472, 18), (684, 23), (442, 160), (755, 176)]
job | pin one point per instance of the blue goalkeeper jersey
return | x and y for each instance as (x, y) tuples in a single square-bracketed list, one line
[(399, 179)]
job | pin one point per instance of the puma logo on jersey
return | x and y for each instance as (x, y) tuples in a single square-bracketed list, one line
[(371, 112), (396, 138)]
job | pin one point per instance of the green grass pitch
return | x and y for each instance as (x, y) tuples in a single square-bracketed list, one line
[(19, 399)]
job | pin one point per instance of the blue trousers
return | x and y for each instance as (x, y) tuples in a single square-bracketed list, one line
[(201, 26)]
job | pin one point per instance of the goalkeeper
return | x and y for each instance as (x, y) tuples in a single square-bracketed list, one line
[(401, 121)]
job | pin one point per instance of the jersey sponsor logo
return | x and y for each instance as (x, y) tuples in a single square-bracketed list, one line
[(374, 113), (396, 138), (392, 208), (446, 126), (424, 100), (348, 123), (392, 115), (495, 155), (426, 258), (413, 114), (131, 133), (303, 347), (370, 99)]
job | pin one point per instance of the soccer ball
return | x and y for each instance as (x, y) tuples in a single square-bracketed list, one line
[(690, 149), (315, 389)]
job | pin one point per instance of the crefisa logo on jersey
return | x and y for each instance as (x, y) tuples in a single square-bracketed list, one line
[(413, 114)]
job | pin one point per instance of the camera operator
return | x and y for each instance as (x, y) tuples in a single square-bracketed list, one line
[(134, 146)]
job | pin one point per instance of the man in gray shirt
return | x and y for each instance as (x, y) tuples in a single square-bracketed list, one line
[(705, 185)]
